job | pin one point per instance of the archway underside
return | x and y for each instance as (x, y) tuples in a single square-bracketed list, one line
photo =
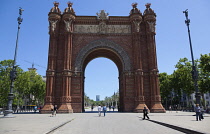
[(106, 53)]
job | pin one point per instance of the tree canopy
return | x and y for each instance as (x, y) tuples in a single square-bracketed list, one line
[(27, 84)]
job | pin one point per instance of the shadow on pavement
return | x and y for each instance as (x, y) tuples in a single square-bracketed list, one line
[(184, 130)]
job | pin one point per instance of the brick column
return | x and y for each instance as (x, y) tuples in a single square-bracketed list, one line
[(65, 98), (136, 20), (150, 21), (54, 19)]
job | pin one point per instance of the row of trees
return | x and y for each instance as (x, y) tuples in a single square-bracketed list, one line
[(181, 82), (26, 85), (108, 101)]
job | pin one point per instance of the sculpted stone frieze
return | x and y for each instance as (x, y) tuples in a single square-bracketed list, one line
[(120, 29)]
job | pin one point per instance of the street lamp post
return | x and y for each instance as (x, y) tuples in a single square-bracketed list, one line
[(13, 73), (194, 71)]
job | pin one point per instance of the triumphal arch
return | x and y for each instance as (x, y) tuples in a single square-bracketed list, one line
[(129, 41)]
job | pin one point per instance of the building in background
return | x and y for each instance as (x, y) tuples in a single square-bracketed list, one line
[(97, 97)]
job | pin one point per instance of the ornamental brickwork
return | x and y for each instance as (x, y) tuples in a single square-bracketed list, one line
[(129, 41)]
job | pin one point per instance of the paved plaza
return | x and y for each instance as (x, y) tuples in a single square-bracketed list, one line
[(113, 123)]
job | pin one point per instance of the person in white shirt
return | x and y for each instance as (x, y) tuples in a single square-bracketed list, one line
[(99, 110)]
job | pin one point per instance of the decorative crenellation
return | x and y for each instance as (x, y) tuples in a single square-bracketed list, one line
[(77, 73), (49, 99), (146, 73), (66, 99), (139, 73), (156, 98), (76, 99), (50, 73), (67, 73), (121, 19), (154, 72), (147, 98), (128, 73), (57, 99), (139, 98), (58, 74)]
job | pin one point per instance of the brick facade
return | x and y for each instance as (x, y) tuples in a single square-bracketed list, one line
[(129, 41)]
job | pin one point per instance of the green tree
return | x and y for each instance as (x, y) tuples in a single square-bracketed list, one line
[(204, 76), (182, 77), (165, 87), (26, 84), (5, 69), (37, 88)]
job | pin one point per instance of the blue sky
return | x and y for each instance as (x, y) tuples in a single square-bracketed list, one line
[(101, 74)]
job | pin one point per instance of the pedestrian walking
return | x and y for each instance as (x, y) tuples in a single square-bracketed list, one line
[(92, 107), (35, 108), (202, 112), (176, 108), (104, 110), (170, 109), (198, 112), (99, 110), (54, 110), (145, 113), (113, 108)]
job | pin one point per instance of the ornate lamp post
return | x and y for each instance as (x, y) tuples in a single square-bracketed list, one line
[(13, 73), (194, 71)]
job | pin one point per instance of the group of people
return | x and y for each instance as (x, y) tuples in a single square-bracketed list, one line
[(199, 113), (104, 109)]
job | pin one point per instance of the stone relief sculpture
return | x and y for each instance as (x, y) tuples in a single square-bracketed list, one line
[(68, 25), (151, 26), (53, 25), (137, 25), (102, 28)]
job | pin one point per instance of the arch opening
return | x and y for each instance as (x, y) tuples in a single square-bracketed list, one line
[(107, 49), (101, 82)]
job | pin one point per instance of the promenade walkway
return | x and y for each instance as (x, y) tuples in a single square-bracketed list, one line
[(113, 123)]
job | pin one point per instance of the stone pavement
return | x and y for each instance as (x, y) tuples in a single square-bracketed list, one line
[(113, 123)]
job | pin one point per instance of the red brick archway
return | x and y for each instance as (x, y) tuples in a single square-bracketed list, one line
[(129, 41)]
